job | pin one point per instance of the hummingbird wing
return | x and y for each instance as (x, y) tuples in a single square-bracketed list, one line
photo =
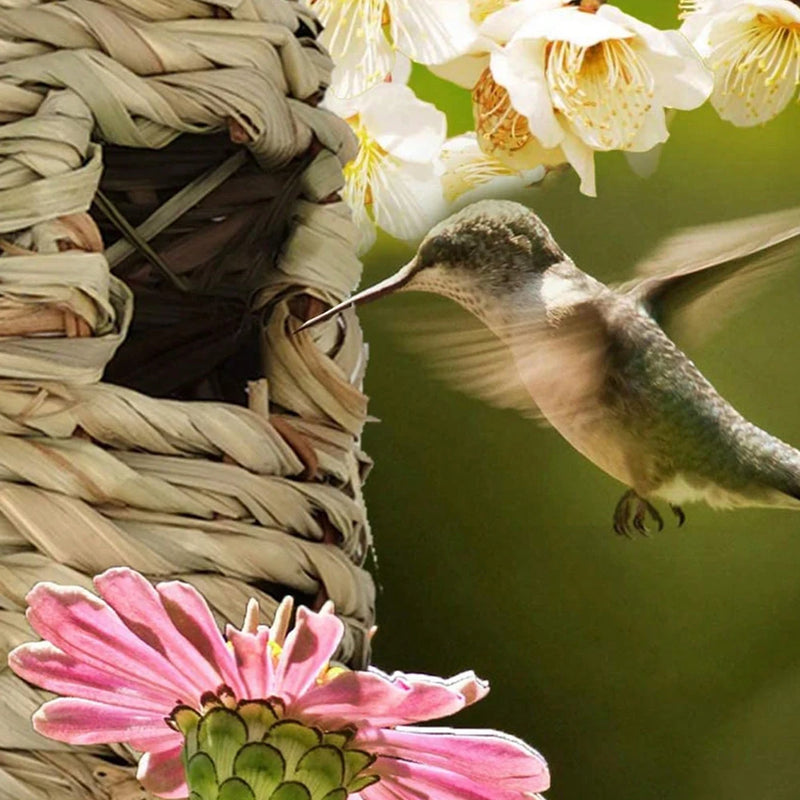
[(466, 355), (698, 276), (544, 368)]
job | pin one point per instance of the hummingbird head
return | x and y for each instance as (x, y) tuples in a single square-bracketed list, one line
[(496, 245), (485, 253)]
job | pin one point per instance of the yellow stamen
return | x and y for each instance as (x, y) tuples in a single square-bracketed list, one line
[(498, 125), (359, 172), (605, 90), (466, 171), (350, 24), (503, 133), (329, 673), (756, 66)]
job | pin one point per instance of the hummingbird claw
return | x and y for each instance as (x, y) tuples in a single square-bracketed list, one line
[(631, 502), (678, 512), (638, 521), (622, 514), (621, 530), (655, 515)]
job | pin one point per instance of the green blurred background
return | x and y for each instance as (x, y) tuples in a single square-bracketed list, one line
[(666, 667)]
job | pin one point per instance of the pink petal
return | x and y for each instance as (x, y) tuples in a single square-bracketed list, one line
[(86, 722), (86, 628), (384, 791), (380, 700), (43, 664), (251, 655), (306, 652), (139, 606), (155, 742), (466, 683), (488, 757), (407, 779), (163, 773), (191, 615)]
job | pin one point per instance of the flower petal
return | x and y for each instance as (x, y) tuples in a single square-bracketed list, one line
[(163, 774), (378, 700), (785, 10), (46, 666), (190, 614), (756, 63), (503, 24), (414, 131), (519, 68), (252, 662), (344, 107), (83, 626), (645, 163), (695, 28), (155, 742), (412, 780), (139, 606), (80, 721), (431, 31), (364, 225), (463, 71), (570, 24), (407, 197), (653, 131), (484, 756), (745, 109), (467, 173), (654, 38), (353, 35), (307, 651), (467, 684), (581, 158), (682, 81), (401, 71)]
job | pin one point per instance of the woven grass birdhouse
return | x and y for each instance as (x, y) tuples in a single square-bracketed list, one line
[(169, 213)]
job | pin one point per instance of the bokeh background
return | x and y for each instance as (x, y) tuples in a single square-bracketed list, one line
[(662, 668)]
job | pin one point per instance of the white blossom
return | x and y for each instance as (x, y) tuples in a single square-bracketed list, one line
[(468, 174), (753, 49), (558, 82), (466, 68), (363, 37), (393, 181)]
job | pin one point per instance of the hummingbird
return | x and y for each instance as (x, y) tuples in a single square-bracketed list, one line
[(596, 361)]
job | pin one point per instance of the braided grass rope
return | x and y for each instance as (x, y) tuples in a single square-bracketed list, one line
[(222, 450)]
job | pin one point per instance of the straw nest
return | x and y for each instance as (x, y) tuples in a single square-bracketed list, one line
[(219, 449)]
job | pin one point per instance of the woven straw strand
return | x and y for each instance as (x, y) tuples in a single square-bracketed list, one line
[(243, 501)]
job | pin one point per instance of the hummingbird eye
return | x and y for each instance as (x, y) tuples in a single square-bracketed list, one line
[(438, 250)]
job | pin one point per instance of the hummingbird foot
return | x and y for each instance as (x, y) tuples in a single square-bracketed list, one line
[(678, 512), (632, 510)]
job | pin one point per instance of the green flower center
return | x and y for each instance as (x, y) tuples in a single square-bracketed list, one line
[(249, 750)]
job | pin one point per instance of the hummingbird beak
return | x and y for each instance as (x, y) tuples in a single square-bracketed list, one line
[(387, 286)]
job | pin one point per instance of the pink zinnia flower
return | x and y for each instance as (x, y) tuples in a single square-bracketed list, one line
[(124, 662)]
